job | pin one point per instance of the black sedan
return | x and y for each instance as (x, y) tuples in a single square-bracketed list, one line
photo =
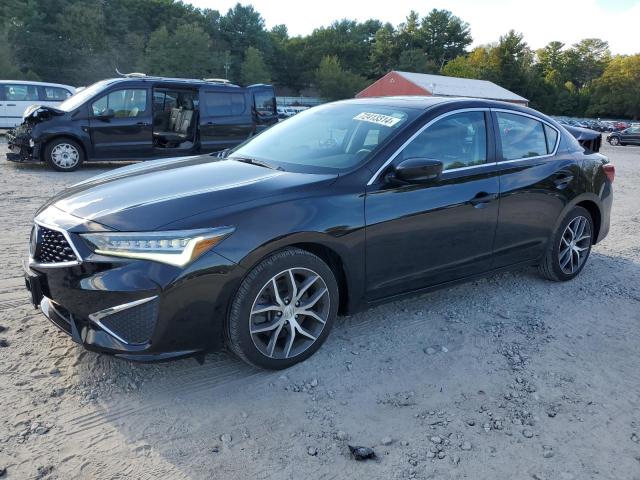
[(628, 136), (339, 208)]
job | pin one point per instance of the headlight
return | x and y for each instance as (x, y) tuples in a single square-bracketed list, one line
[(178, 247)]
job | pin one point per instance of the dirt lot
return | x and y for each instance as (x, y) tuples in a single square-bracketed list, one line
[(503, 378)]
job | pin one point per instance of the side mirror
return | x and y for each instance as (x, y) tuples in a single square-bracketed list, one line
[(417, 170)]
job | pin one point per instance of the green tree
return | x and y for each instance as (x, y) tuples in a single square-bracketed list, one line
[(617, 91), (587, 60), (444, 36), (184, 53), (384, 51), (334, 83), (254, 69)]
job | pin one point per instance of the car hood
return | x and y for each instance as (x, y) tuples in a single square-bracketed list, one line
[(148, 195), (41, 112)]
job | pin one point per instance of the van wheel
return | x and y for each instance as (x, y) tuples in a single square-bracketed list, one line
[(64, 155)]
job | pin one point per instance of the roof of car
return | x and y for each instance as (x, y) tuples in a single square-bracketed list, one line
[(190, 81), (42, 84), (425, 102)]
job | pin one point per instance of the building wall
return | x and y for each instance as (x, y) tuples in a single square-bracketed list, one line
[(391, 84)]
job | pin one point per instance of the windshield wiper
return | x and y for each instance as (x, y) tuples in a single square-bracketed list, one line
[(254, 161)]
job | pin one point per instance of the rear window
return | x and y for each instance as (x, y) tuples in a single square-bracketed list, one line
[(522, 137), (56, 94), (20, 93), (220, 104), (264, 103), (552, 138)]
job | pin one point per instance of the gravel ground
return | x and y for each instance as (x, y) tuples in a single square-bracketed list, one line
[(503, 378)]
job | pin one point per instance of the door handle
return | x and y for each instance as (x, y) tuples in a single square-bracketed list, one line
[(482, 199), (144, 124), (209, 123), (11, 104)]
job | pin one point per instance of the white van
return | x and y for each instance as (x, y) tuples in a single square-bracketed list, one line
[(17, 95)]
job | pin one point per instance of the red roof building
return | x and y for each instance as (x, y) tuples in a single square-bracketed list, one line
[(408, 83)]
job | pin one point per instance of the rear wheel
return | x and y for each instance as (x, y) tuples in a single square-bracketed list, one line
[(569, 247), (64, 155), (284, 310)]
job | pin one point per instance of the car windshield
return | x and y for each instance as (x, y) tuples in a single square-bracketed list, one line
[(82, 96), (326, 139)]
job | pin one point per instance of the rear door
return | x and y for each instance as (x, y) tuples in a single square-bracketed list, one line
[(225, 118), (264, 106), (120, 124), (17, 97), (537, 180)]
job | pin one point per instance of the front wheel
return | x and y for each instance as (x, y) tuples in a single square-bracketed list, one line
[(569, 247), (615, 141), (284, 310), (64, 155)]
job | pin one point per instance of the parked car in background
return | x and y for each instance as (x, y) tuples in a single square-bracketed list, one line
[(628, 136), (141, 118), (341, 207), (17, 95)]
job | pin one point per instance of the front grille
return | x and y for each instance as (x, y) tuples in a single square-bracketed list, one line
[(134, 325), (52, 247)]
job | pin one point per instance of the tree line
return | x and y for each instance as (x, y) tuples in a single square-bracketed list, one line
[(81, 41)]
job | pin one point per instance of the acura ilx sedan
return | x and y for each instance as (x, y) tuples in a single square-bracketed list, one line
[(339, 208)]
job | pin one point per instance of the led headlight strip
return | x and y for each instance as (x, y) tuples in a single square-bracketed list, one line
[(176, 247)]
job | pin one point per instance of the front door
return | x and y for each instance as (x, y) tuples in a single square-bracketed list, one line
[(631, 135), (426, 234), (225, 119), (17, 98), (121, 125)]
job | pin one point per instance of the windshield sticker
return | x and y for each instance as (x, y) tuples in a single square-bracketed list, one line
[(377, 118)]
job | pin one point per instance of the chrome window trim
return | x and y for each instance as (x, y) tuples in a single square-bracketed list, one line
[(541, 120), (422, 129), (96, 317), (33, 263)]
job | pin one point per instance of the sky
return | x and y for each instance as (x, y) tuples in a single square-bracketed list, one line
[(541, 21)]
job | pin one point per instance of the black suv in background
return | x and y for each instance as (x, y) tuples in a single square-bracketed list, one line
[(628, 136), (141, 118)]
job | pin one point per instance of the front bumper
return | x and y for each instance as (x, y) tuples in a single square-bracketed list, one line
[(22, 147), (137, 309)]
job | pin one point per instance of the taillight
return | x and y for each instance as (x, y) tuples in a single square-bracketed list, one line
[(610, 171)]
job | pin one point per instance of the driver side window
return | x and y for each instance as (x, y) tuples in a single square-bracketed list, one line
[(124, 103), (458, 140)]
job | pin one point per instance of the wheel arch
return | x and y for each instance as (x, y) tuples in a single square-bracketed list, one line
[(591, 203), (46, 142), (347, 265)]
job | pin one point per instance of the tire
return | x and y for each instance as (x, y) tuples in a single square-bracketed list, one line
[(64, 154), (615, 141), (257, 313), (559, 265)]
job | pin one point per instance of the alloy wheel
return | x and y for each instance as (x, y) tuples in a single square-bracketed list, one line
[(289, 313), (574, 245), (65, 155), (615, 141)]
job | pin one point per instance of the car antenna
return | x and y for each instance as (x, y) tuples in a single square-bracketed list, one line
[(131, 75)]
